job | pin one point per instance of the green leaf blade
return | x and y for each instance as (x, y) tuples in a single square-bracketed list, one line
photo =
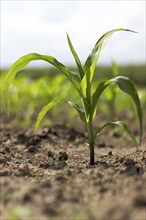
[(98, 92), (78, 62), (121, 124), (90, 63), (127, 86), (95, 53), (25, 60), (78, 109), (44, 111)]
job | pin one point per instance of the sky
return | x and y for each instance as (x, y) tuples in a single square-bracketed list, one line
[(41, 26)]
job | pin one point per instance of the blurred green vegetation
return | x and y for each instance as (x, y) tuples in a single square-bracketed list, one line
[(135, 72), (34, 88)]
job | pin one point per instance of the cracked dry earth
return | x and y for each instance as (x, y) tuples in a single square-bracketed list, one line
[(49, 178)]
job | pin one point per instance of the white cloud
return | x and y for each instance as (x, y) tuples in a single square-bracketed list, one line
[(41, 26)]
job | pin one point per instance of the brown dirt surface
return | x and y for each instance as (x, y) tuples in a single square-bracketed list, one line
[(49, 178)]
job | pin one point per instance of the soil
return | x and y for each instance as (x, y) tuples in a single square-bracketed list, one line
[(49, 178)]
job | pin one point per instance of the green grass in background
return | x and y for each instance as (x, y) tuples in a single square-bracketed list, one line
[(39, 86)]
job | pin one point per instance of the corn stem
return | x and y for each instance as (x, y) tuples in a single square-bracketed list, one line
[(91, 141)]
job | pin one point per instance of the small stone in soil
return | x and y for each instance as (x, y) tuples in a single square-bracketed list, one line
[(63, 156), (116, 134), (7, 149), (60, 178), (110, 153), (140, 201), (4, 172), (24, 169), (129, 162), (102, 145), (50, 154), (32, 149)]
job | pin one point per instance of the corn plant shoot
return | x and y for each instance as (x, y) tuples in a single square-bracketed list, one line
[(82, 82)]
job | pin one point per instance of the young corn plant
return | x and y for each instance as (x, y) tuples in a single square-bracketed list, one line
[(82, 83)]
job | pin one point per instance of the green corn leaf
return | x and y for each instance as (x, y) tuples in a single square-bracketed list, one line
[(95, 53), (44, 111), (96, 95), (87, 79), (25, 60), (84, 85), (78, 62), (86, 107), (51, 105), (90, 64), (127, 86), (88, 76), (78, 109), (121, 124)]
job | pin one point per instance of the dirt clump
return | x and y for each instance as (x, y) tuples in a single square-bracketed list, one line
[(49, 177)]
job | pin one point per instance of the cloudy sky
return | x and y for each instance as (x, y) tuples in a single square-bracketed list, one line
[(40, 26)]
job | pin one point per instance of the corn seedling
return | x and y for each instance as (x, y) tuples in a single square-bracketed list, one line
[(82, 83)]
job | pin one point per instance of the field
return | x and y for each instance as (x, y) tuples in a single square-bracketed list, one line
[(50, 178)]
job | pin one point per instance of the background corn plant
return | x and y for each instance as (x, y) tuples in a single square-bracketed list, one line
[(40, 91), (82, 83)]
